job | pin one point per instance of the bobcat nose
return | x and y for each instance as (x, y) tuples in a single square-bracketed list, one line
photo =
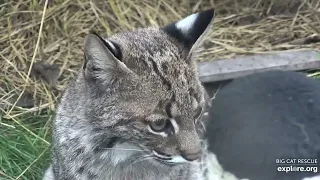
[(191, 155)]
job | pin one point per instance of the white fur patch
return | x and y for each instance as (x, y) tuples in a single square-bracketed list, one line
[(187, 23), (48, 175), (312, 178), (159, 155), (215, 171), (175, 125), (177, 159), (163, 134), (174, 159)]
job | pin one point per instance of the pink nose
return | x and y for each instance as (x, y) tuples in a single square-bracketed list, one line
[(191, 155)]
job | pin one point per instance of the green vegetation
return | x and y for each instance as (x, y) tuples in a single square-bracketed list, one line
[(24, 148), (34, 38)]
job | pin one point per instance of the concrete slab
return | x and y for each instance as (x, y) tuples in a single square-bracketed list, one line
[(226, 69)]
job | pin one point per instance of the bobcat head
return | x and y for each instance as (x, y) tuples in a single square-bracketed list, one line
[(143, 87)]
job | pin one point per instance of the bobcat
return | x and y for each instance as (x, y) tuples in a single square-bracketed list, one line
[(134, 110)]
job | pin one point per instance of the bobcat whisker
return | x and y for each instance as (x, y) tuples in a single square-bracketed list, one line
[(123, 149), (134, 158), (141, 158)]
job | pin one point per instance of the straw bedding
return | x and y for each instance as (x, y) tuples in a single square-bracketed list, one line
[(241, 27)]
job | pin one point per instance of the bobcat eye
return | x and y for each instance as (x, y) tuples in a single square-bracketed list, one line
[(160, 125)]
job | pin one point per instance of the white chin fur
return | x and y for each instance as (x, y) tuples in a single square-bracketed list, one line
[(177, 159), (159, 155), (174, 159)]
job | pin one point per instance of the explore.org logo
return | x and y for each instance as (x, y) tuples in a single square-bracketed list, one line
[(297, 165), (291, 168)]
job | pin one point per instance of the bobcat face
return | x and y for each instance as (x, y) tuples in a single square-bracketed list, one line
[(144, 87)]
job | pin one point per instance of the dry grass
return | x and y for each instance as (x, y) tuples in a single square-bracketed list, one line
[(241, 27)]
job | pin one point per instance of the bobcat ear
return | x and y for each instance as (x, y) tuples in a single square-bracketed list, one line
[(102, 59), (191, 30)]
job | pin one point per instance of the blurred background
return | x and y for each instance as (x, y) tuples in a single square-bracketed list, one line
[(41, 51)]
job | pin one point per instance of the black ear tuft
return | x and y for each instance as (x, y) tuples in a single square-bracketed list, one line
[(112, 46), (189, 30), (115, 49)]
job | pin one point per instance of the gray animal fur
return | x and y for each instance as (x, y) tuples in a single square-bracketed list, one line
[(133, 78)]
